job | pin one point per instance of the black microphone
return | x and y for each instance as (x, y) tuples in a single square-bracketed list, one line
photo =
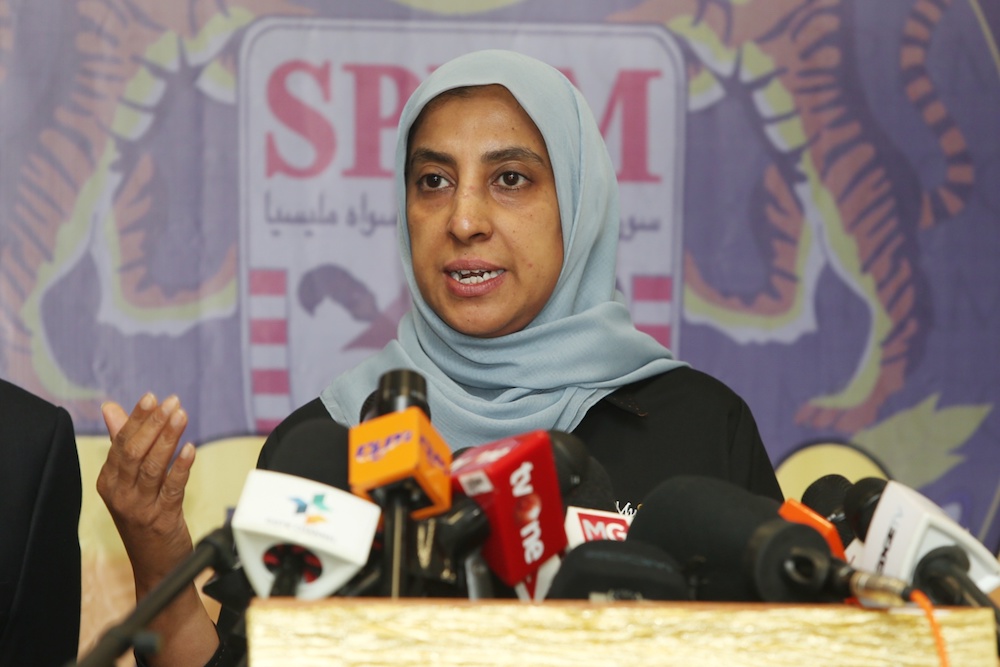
[(733, 545), (445, 554), (607, 570), (826, 496), (594, 491), (572, 460), (314, 449), (860, 502)]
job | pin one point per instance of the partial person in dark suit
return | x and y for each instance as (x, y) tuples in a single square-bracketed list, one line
[(40, 495)]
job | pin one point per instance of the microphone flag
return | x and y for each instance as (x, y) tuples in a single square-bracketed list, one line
[(515, 482), (276, 509), (401, 449), (588, 525)]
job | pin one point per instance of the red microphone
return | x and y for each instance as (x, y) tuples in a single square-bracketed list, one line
[(514, 481)]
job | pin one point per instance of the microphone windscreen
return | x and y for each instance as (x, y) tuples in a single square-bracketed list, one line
[(607, 569), (706, 524), (860, 502), (315, 449), (398, 390), (571, 457), (594, 490), (826, 497)]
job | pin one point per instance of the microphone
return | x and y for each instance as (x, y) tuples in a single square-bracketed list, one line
[(300, 537), (826, 497), (591, 512), (448, 547), (315, 450), (215, 550), (397, 449), (516, 481), (908, 536), (797, 512), (594, 490), (577, 472), (585, 525), (733, 545), (398, 460), (607, 570)]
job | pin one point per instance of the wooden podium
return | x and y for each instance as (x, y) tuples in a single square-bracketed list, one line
[(374, 632)]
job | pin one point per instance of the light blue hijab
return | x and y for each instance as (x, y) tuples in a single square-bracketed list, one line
[(581, 346)]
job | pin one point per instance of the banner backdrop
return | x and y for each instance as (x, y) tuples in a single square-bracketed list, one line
[(195, 199)]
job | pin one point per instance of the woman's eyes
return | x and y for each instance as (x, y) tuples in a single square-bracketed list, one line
[(432, 181), (512, 180), (509, 180)]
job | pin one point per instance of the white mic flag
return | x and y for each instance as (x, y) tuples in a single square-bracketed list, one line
[(277, 509), (906, 526)]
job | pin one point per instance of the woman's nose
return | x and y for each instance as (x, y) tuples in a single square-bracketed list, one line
[(470, 218)]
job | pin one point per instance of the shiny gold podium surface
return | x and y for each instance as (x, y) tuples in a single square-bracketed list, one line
[(373, 632)]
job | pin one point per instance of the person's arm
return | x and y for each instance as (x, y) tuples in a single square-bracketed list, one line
[(58, 510), (144, 493), (39, 541)]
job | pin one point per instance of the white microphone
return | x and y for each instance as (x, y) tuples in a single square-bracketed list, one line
[(325, 532), (900, 528)]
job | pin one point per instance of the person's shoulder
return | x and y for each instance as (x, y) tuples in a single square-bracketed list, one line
[(683, 384), (26, 417), (314, 409), (17, 400)]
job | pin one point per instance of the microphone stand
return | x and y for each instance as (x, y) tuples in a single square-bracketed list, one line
[(395, 517), (215, 550)]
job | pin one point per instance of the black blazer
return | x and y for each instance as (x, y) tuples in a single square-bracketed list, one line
[(40, 494)]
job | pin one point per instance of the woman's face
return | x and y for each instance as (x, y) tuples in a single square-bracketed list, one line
[(482, 212)]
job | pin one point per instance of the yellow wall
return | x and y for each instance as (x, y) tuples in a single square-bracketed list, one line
[(108, 593)]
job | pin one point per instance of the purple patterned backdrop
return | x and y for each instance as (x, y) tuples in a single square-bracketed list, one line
[(829, 251)]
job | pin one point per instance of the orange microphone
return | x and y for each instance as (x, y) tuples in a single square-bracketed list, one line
[(401, 450), (400, 462)]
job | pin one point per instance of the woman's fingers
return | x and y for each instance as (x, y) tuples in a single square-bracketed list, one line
[(114, 418), (123, 457), (134, 477), (172, 492), (138, 416), (155, 443)]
